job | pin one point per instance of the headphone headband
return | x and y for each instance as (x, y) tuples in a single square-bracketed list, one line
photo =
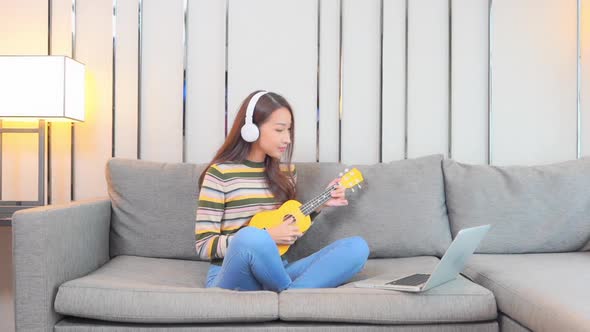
[(252, 105)]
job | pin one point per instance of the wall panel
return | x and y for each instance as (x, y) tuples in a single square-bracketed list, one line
[(205, 102), (60, 139), (394, 80), (126, 78), (428, 77), (162, 81), (534, 90), (282, 59), (361, 56), (93, 137), (329, 80), (469, 113)]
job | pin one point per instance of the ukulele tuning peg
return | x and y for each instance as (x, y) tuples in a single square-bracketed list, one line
[(346, 169), (340, 174), (352, 189), (360, 186)]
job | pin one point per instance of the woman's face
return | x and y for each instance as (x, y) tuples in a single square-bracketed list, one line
[(275, 134)]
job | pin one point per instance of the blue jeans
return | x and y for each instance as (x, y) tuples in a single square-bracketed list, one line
[(252, 262)]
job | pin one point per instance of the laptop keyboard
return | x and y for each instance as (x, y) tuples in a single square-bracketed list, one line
[(413, 280)]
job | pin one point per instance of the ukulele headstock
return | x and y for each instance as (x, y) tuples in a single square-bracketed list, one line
[(351, 178)]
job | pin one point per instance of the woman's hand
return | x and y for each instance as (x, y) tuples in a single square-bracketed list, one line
[(285, 233), (338, 195)]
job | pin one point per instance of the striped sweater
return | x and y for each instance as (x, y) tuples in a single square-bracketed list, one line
[(230, 195)]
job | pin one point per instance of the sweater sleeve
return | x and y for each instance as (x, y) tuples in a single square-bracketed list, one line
[(210, 243)]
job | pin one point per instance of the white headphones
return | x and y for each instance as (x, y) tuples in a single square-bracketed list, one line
[(249, 130)]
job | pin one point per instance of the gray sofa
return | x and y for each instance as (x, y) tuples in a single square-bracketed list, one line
[(127, 262)]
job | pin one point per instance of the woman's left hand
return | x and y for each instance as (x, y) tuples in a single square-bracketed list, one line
[(338, 195)]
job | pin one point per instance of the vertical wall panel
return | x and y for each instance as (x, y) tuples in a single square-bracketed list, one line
[(394, 57), (329, 80), (585, 77), (469, 135), (61, 137), (61, 27), (205, 101), (126, 73), (273, 46), (23, 31), (361, 55), (428, 77), (162, 81), (93, 137), (534, 108), (23, 27)]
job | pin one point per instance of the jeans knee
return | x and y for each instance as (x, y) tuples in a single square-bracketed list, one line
[(252, 238), (359, 249)]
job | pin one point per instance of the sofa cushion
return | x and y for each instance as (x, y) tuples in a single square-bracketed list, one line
[(153, 208), (155, 290), (532, 209), (400, 210), (459, 300), (543, 292)]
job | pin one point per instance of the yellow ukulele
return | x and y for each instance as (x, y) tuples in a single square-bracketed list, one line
[(301, 212)]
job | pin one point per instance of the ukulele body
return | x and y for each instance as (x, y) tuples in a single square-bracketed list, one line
[(273, 218)]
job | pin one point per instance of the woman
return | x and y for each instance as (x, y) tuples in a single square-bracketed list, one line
[(245, 177)]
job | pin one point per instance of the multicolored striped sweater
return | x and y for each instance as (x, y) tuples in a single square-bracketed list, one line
[(230, 195)]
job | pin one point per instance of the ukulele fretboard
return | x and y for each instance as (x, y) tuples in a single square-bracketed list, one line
[(316, 202)]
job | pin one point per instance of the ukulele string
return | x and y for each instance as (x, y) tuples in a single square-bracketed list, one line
[(308, 207)]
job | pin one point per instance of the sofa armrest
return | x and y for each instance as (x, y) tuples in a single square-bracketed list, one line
[(51, 245)]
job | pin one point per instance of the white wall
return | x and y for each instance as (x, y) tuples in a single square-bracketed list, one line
[(369, 80)]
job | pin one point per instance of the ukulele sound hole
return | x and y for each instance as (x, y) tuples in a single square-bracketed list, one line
[(288, 216)]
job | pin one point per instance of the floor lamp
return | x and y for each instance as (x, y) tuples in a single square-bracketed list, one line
[(42, 88)]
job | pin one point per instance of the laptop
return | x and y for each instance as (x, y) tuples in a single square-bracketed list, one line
[(450, 265)]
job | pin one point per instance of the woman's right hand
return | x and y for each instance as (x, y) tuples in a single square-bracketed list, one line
[(285, 233)]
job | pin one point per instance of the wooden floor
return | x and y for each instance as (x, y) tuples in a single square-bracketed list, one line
[(6, 291)]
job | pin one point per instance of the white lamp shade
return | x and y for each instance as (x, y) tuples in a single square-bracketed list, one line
[(41, 87)]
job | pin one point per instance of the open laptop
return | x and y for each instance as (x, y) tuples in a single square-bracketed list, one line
[(450, 265)]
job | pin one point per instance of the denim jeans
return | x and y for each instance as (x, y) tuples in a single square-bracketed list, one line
[(252, 262)]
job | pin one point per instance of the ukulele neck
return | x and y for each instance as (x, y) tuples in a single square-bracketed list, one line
[(317, 201)]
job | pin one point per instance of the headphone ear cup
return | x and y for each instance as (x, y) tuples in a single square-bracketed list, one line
[(250, 132)]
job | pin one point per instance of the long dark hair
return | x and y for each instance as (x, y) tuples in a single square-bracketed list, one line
[(236, 149)]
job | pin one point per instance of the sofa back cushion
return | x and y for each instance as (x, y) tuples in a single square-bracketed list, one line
[(531, 208), (400, 210), (153, 208)]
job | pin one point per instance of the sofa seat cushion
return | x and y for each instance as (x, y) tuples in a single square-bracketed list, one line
[(457, 301), (543, 292), (152, 290)]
